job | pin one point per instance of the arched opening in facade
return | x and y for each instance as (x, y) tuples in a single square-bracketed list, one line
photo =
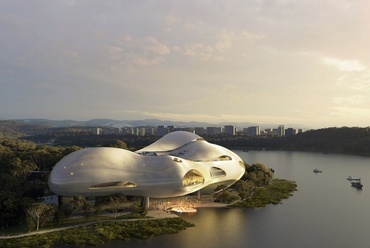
[(192, 177), (118, 184), (217, 172), (224, 158)]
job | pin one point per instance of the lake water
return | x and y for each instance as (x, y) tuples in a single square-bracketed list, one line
[(325, 211)]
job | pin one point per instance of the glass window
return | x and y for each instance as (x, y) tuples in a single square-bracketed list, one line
[(224, 158), (118, 184), (217, 172)]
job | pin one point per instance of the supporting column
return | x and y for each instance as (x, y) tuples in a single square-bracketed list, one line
[(145, 202), (198, 195)]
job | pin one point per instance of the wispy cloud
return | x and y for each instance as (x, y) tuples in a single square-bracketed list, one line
[(345, 65), (223, 43)]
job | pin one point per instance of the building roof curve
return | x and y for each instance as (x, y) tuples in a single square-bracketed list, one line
[(171, 141)]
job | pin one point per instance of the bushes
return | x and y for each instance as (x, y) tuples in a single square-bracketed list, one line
[(99, 233)]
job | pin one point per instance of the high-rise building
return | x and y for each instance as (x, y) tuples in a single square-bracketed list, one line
[(171, 128), (200, 130), (214, 130), (150, 130), (290, 131), (99, 131), (162, 131), (229, 130), (281, 130), (141, 131), (253, 131)]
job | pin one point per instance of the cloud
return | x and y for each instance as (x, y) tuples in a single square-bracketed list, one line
[(130, 51), (225, 42), (345, 65), (145, 61), (348, 101), (152, 45)]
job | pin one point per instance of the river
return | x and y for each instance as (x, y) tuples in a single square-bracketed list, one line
[(325, 211)]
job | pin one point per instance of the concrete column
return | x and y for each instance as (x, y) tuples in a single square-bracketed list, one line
[(198, 195), (145, 202)]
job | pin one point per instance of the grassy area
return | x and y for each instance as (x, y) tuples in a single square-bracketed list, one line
[(23, 228), (273, 192), (99, 233)]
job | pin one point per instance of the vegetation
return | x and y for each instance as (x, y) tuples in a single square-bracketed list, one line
[(99, 233), (18, 191), (224, 195), (344, 140), (257, 188), (273, 192)]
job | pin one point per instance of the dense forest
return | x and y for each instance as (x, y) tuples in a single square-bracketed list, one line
[(17, 190)]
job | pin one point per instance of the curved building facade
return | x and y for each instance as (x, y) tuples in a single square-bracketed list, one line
[(179, 163)]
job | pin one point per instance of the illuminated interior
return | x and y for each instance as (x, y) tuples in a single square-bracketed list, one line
[(192, 178)]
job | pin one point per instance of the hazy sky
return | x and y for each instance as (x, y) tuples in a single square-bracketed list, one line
[(303, 62)]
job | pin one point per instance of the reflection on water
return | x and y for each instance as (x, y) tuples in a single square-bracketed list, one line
[(325, 211)]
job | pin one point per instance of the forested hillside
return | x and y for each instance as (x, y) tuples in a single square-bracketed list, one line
[(14, 129), (334, 140), (337, 140)]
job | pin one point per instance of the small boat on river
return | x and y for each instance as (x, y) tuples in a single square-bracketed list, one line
[(350, 178), (357, 184), (317, 171)]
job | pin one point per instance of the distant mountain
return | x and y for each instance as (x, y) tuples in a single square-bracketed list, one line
[(15, 129), (111, 123)]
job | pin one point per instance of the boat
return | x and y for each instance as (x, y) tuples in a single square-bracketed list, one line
[(357, 184), (350, 178), (317, 171)]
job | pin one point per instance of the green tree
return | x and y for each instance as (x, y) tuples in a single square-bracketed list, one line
[(22, 169), (259, 174), (120, 144), (36, 210), (78, 203), (62, 213)]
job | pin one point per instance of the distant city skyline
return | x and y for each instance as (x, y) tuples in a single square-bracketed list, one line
[(287, 62), (157, 122), (230, 130)]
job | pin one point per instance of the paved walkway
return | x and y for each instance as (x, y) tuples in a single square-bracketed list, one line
[(152, 214)]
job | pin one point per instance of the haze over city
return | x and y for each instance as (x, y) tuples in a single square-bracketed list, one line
[(278, 61)]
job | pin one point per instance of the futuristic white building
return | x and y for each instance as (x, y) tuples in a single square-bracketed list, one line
[(177, 164)]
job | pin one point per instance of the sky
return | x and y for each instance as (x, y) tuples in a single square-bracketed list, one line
[(289, 62)]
